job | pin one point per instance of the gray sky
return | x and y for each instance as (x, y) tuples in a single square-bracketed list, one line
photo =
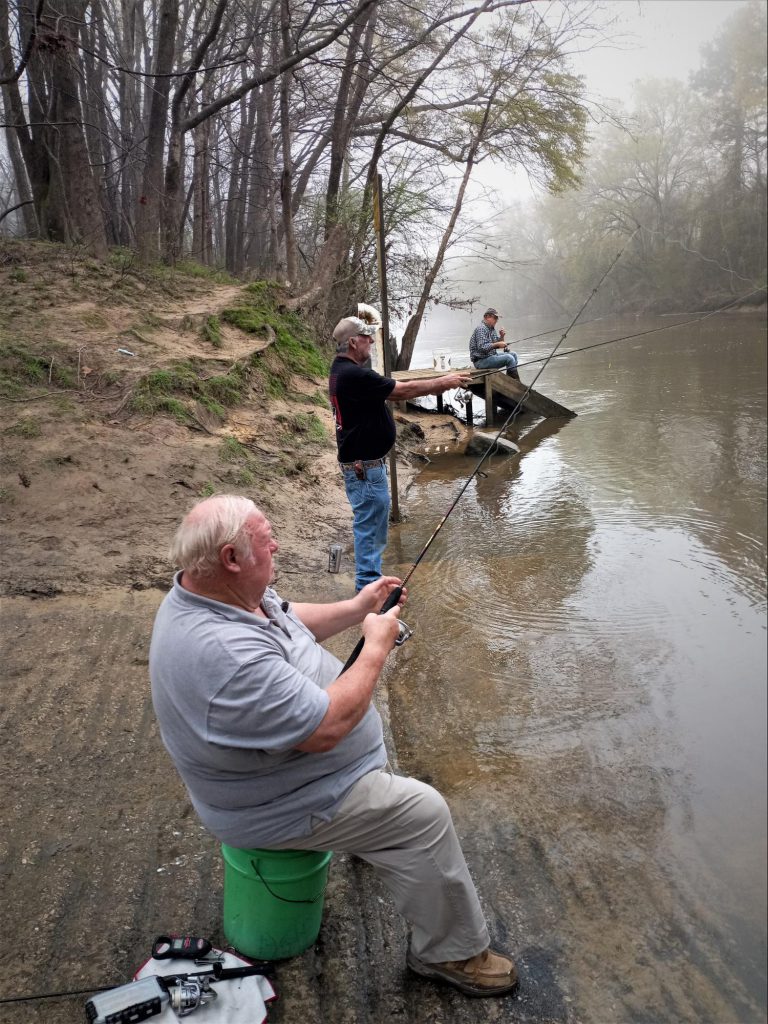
[(663, 39), (650, 39)]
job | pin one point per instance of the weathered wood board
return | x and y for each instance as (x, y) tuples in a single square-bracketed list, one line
[(497, 389)]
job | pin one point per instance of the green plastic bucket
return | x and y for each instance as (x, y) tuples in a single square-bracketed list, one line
[(273, 900)]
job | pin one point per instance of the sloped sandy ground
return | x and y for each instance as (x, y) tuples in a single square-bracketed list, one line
[(99, 849)]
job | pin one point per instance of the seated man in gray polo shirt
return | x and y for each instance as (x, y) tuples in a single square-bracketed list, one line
[(278, 750)]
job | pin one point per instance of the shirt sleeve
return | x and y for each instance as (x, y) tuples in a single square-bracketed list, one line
[(266, 705)]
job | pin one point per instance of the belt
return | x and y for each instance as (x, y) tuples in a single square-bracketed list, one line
[(363, 462)]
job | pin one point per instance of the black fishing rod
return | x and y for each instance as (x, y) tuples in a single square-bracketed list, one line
[(396, 594)]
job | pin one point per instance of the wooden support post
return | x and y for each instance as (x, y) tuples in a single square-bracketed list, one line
[(439, 403), (468, 407), (489, 399), (378, 223)]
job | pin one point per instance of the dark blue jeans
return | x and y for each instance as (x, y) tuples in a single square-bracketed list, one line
[(369, 499), (508, 360)]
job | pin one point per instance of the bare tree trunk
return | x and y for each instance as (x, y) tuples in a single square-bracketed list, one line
[(258, 256), (150, 201), (286, 178), (348, 101), (201, 204), (128, 44), (74, 174), (23, 190), (326, 264)]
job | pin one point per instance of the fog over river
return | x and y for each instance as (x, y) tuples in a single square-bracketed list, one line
[(587, 679)]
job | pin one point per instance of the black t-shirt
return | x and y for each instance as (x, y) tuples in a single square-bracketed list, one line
[(365, 427)]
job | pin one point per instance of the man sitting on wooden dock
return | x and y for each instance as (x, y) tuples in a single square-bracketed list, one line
[(487, 348)]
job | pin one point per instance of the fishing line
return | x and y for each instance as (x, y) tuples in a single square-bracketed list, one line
[(396, 594)]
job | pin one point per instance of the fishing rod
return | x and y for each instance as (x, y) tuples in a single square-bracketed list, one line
[(396, 594)]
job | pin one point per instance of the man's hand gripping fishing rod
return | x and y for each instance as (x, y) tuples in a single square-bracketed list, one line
[(395, 597)]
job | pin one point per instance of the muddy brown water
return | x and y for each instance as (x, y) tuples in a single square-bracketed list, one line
[(587, 679)]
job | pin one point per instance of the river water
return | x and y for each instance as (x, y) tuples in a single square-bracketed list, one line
[(587, 679)]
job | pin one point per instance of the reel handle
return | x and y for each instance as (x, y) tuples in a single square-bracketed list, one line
[(391, 601)]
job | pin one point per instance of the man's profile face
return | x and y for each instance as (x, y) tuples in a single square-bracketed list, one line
[(490, 320), (362, 345), (259, 570)]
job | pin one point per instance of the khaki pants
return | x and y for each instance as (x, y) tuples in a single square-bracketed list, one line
[(403, 829)]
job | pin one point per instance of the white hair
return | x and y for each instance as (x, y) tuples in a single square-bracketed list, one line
[(206, 528)]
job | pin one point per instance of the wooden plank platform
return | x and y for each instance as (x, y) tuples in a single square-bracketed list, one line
[(497, 389)]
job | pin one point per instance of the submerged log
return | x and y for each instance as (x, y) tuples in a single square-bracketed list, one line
[(480, 442)]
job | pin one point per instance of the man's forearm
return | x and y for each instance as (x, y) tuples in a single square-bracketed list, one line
[(326, 620), (350, 696), (407, 389)]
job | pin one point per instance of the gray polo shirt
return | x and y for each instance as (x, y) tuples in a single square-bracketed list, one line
[(234, 694)]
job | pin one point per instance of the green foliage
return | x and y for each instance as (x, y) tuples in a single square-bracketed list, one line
[(258, 312), (206, 490), (212, 331), (18, 275), (6, 496), (175, 388), (190, 268)]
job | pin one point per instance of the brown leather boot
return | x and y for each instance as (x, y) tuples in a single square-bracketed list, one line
[(486, 974)]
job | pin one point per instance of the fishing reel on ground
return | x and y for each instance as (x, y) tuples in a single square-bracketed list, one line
[(190, 994), (139, 1000)]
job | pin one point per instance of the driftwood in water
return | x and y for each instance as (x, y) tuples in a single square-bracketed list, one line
[(480, 442)]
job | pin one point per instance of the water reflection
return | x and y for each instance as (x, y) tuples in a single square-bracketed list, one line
[(587, 680)]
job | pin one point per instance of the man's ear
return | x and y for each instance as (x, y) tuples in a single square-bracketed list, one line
[(228, 558)]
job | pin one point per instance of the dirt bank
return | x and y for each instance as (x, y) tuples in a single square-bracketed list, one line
[(100, 849)]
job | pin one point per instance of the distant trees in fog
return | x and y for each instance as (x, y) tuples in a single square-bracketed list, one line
[(683, 176)]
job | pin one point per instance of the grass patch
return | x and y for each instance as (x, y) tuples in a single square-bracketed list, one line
[(6, 496), (176, 388), (207, 490), (232, 450), (190, 268), (94, 320), (305, 425), (258, 310), (27, 427), (150, 405), (318, 398), (212, 331), (21, 367), (18, 275)]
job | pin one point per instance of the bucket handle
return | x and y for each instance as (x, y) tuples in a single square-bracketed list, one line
[(283, 899)]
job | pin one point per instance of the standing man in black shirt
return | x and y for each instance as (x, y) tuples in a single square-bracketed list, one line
[(365, 432)]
